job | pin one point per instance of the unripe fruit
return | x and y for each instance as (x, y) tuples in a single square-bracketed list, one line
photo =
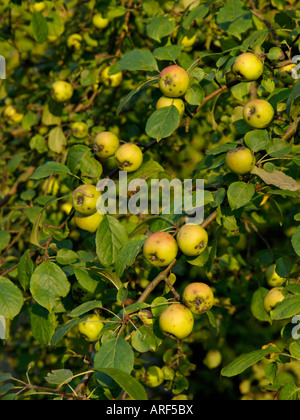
[(275, 54), (85, 199), (258, 113), (273, 279), (164, 102), (154, 377), (189, 39), (198, 297), (91, 327), (192, 240), (160, 249), (275, 296), (61, 91), (38, 7), (249, 66), (12, 116), (129, 157), (241, 160), (213, 359), (113, 80), (177, 320), (100, 22), (74, 42), (80, 130), (174, 81), (106, 144), (285, 74), (88, 223)]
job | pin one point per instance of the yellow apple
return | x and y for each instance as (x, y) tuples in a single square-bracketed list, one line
[(106, 144), (273, 279), (192, 240), (113, 80), (160, 249), (100, 22), (240, 160), (129, 157), (177, 102), (258, 113), (88, 223), (62, 91), (177, 320), (275, 296), (249, 66), (174, 81), (198, 297), (91, 327), (85, 199)]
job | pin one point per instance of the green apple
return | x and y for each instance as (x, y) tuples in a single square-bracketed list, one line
[(85, 199), (258, 113), (113, 80), (177, 320), (154, 377), (273, 279), (88, 223), (74, 42), (275, 296), (91, 327), (12, 116), (192, 240), (241, 160), (174, 81), (177, 102), (37, 7), (80, 130), (213, 359), (249, 66), (106, 144), (160, 249), (285, 74), (198, 297), (129, 157), (62, 91), (100, 22)]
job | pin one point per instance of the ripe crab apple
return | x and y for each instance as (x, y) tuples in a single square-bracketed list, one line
[(91, 327), (62, 91), (192, 240), (80, 130), (74, 42), (164, 102), (111, 80), (100, 22), (198, 297), (174, 81), (273, 279), (160, 249), (129, 157), (258, 113), (275, 296), (249, 66), (154, 377), (88, 223), (240, 160), (285, 74), (12, 116), (106, 144), (85, 199), (177, 320)]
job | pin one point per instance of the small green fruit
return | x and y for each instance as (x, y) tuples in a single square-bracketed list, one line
[(273, 279), (258, 113), (129, 157), (249, 66), (192, 240), (12, 116), (62, 91), (213, 359), (80, 130), (100, 22), (91, 327), (106, 144), (160, 249), (177, 320), (85, 199), (113, 80), (174, 81), (178, 103), (154, 377), (198, 297), (241, 160), (74, 42), (285, 74), (275, 296)]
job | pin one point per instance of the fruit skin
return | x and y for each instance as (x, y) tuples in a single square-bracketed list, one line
[(258, 113), (88, 223), (160, 249), (80, 130), (85, 199), (106, 144), (12, 116), (198, 297), (164, 102), (241, 160), (174, 81), (274, 297), (129, 157), (192, 240), (213, 359), (62, 91), (273, 279), (113, 80), (177, 320), (74, 42), (91, 327), (285, 74), (100, 22), (249, 66), (154, 377)]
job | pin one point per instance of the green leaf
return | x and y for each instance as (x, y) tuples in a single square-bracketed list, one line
[(48, 169), (138, 60), (11, 299), (135, 91), (84, 308), (240, 194), (4, 239), (62, 330), (168, 52), (130, 385), (57, 140), (42, 324), (257, 140), (195, 95), (48, 284), (25, 269), (277, 178), (57, 377), (257, 305), (75, 155), (197, 13), (290, 392), (143, 340), (159, 27), (110, 238), (39, 27), (296, 240), (278, 148), (66, 256), (163, 122), (128, 253), (294, 95), (234, 18), (289, 307), (115, 354)]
